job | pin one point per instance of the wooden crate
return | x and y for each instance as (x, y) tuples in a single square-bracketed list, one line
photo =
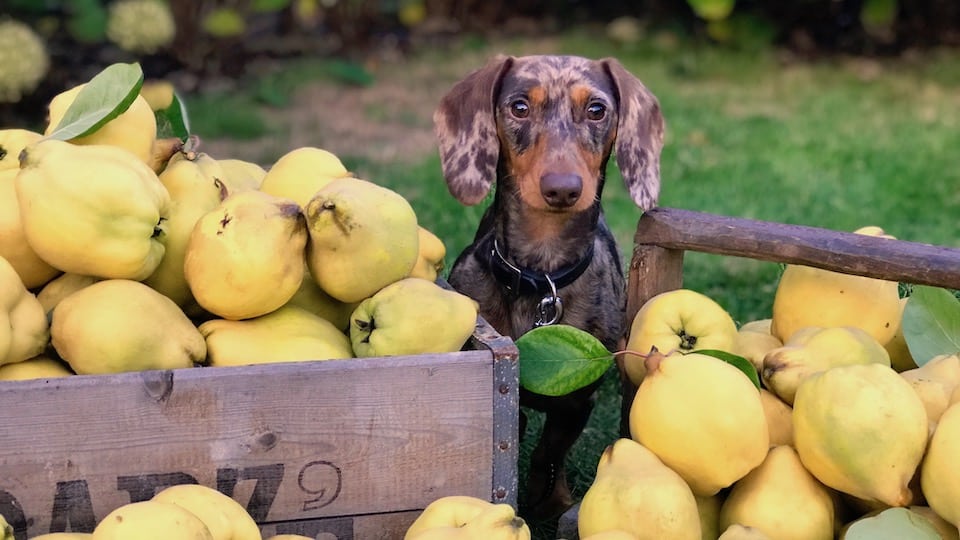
[(664, 234), (351, 448)]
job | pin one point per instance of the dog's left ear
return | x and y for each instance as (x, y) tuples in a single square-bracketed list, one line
[(466, 129), (639, 135)]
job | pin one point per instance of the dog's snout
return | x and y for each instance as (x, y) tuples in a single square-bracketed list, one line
[(561, 190)]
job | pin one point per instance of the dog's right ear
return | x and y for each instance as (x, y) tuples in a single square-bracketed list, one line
[(639, 136), (466, 129)]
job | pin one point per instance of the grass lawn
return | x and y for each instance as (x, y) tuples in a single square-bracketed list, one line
[(837, 144)]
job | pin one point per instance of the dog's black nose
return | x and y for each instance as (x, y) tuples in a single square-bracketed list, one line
[(561, 190)]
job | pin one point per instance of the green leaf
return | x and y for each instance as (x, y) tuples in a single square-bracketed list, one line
[(558, 359), (173, 121), (224, 23), (268, 6), (892, 524), (712, 10), (26, 6), (931, 323), (88, 21), (106, 96), (736, 361), (879, 12)]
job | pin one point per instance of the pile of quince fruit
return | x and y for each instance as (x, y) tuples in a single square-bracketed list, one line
[(180, 512), (817, 423), (123, 250), (197, 512)]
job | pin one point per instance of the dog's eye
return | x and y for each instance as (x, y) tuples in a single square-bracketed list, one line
[(596, 111), (520, 108)]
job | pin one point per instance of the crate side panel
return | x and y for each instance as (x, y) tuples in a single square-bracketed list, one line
[(289, 442)]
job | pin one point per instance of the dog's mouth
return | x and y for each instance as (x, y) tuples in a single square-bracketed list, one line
[(582, 205)]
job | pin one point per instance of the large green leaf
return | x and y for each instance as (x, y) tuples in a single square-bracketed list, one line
[(736, 361), (173, 121), (931, 323), (558, 359), (892, 524), (106, 96)]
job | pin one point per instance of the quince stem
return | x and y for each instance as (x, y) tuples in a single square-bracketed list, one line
[(651, 359)]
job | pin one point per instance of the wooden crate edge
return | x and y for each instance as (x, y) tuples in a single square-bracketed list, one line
[(506, 410)]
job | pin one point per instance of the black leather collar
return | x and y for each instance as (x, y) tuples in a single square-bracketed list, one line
[(523, 281)]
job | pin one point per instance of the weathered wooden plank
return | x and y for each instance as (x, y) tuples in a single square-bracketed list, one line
[(846, 252), (290, 441)]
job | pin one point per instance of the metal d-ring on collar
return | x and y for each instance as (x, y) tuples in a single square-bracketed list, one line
[(550, 308), (521, 281)]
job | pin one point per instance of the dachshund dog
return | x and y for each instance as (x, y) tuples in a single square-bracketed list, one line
[(542, 128)]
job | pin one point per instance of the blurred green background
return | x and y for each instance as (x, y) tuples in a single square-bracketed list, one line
[(833, 114)]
